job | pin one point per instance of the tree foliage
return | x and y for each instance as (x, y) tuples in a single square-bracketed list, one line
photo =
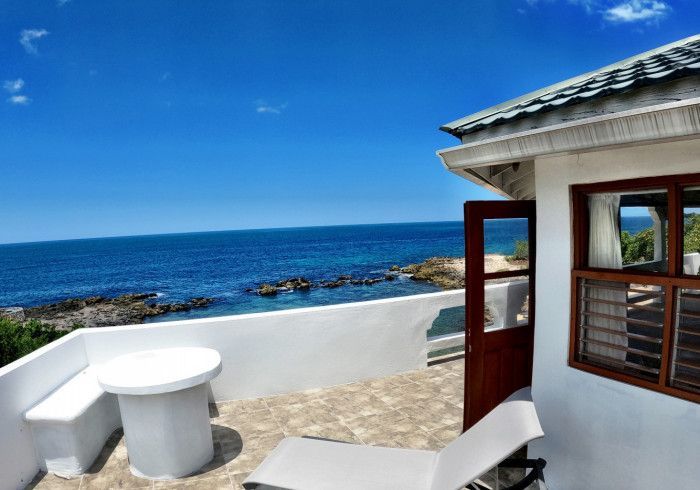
[(691, 235), (522, 251), (638, 247), (18, 339)]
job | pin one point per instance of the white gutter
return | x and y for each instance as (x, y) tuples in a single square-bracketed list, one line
[(671, 121)]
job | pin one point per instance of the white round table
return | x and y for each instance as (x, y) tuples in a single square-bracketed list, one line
[(163, 402)]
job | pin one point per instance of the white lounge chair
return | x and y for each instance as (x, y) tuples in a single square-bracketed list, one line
[(316, 464)]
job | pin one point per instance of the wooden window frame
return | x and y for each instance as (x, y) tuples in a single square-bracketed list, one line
[(674, 278)]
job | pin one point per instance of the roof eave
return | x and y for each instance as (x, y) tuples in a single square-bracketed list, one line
[(674, 120)]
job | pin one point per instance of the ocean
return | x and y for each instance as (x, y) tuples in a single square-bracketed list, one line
[(222, 265)]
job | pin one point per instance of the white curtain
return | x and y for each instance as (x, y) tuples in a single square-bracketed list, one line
[(604, 251)]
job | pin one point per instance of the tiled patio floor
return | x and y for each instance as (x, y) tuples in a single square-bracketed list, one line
[(419, 409)]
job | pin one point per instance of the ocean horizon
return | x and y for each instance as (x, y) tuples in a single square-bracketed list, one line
[(225, 264)]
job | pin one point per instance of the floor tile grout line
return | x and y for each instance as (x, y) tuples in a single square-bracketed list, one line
[(353, 433), (272, 413)]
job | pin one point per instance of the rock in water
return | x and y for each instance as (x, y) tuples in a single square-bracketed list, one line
[(294, 283), (97, 311), (446, 272), (267, 290)]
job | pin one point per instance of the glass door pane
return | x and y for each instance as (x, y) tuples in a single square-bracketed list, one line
[(506, 252), (506, 244)]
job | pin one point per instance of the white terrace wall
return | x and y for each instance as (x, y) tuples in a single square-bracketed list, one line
[(263, 354), (291, 350), (22, 384), (601, 433)]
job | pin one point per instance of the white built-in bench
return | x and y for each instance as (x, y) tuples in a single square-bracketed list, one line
[(71, 425)]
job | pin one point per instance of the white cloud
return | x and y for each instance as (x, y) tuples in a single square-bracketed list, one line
[(637, 10), (262, 107), (61, 3), (618, 11), (28, 38), (19, 100), (13, 86)]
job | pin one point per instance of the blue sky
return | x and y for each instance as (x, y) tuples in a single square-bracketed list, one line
[(133, 117)]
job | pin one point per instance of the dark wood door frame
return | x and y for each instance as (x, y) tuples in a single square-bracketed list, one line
[(477, 402)]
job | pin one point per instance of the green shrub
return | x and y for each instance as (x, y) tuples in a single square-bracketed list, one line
[(522, 251), (638, 247), (691, 236), (18, 339)]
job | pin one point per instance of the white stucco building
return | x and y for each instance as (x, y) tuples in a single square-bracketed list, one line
[(616, 357)]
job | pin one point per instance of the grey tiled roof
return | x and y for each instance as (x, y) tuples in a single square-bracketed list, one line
[(669, 62)]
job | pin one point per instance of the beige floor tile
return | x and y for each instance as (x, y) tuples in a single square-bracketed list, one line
[(238, 480), (404, 434), (381, 384), (214, 471), (240, 406), (400, 395), (423, 374), (307, 414), (247, 457), (50, 481), (199, 483), (250, 425), (111, 468), (457, 400), (433, 414), (361, 425), (448, 433), (254, 452), (247, 461), (292, 398), (355, 405), (345, 389), (337, 431)]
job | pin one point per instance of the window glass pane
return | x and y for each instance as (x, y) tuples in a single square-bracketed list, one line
[(691, 231), (620, 326), (685, 368), (628, 231)]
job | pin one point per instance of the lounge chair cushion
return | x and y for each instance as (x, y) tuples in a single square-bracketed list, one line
[(312, 464)]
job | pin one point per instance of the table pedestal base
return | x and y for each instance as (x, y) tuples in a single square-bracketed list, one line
[(168, 435)]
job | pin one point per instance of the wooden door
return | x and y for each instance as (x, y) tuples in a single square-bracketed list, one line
[(500, 299)]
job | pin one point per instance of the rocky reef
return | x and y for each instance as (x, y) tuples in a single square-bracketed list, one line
[(446, 272), (98, 311), (303, 284)]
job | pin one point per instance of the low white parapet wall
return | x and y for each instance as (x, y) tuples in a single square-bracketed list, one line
[(291, 350)]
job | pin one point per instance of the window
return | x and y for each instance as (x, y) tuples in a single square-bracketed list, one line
[(636, 285)]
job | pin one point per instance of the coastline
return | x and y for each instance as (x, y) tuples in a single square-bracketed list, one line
[(97, 311)]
